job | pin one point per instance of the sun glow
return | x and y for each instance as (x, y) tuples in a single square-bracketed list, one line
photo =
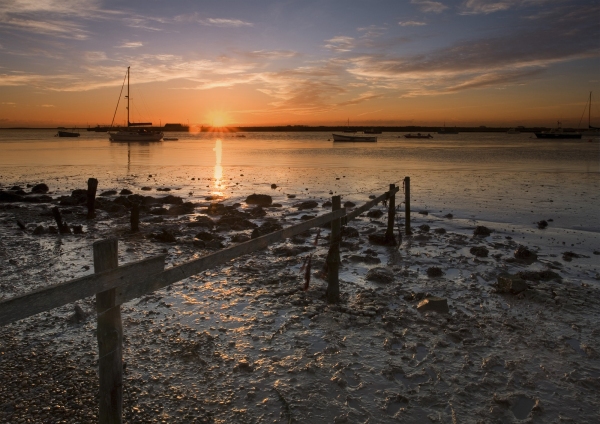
[(218, 119)]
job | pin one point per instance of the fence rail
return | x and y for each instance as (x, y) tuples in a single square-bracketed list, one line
[(114, 285)]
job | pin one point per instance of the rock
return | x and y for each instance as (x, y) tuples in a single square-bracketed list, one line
[(424, 212), (424, 228), (259, 199), (170, 200), (449, 216), (437, 304), (542, 224), (257, 212), (349, 204), (308, 204), (266, 228), (77, 229), (40, 189), (146, 188), (350, 232), (214, 244), (183, 209), (273, 186), (205, 236), (375, 213), (240, 238), (545, 275), (326, 204), (482, 231), (524, 254), (202, 221), (165, 236), (380, 275), (479, 251), (229, 223), (365, 259), (125, 192), (434, 272), (159, 211), (569, 256), (105, 193), (8, 197), (39, 230), (510, 284), (163, 189), (79, 315), (440, 231), (291, 196), (380, 240), (289, 251)]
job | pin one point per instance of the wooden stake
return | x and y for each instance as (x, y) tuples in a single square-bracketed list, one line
[(91, 197), (110, 338), (333, 258), (389, 234), (62, 227), (135, 218), (407, 229)]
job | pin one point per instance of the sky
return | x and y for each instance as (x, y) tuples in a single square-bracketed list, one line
[(300, 62)]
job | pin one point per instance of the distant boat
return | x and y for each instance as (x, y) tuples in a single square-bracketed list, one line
[(339, 137), (448, 130), (513, 131), (418, 135), (348, 130), (558, 134), (170, 139), (372, 131), (142, 134), (67, 134), (591, 131)]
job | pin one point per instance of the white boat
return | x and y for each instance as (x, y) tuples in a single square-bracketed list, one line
[(134, 134), (340, 137)]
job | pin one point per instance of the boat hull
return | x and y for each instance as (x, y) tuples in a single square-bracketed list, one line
[(129, 136), (558, 136), (67, 134), (354, 138)]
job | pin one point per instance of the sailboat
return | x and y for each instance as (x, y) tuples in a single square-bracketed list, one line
[(132, 134), (591, 131)]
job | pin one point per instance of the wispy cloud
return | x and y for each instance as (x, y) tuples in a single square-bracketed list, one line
[(131, 45), (268, 54), (9, 103), (411, 23), (340, 44), (47, 106), (217, 22), (429, 6)]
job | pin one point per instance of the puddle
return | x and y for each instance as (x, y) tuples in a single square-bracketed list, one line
[(576, 345), (522, 407)]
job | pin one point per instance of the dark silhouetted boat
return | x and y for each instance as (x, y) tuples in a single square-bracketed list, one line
[(61, 133), (558, 134), (418, 135), (340, 137)]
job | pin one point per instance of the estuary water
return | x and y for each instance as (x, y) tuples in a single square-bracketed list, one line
[(496, 177)]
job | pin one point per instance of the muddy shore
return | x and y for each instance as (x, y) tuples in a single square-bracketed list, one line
[(245, 343)]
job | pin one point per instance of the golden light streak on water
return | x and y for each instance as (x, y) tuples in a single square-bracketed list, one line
[(218, 175)]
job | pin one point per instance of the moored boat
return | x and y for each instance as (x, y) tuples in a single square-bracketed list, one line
[(558, 134), (129, 134), (340, 137), (67, 134), (418, 135)]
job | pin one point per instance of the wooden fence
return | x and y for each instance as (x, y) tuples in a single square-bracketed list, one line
[(114, 285)]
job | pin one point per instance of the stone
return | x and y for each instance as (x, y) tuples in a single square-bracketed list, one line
[(350, 232), (542, 224), (380, 275), (240, 238), (479, 251), (524, 254), (380, 240), (349, 204), (165, 236), (510, 284), (440, 231), (436, 304), (308, 204), (482, 231), (40, 188), (106, 193), (125, 192), (266, 228), (424, 228), (273, 186), (202, 221), (434, 271), (259, 199), (449, 216), (375, 213)]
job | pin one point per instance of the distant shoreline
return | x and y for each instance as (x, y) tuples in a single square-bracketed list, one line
[(306, 128)]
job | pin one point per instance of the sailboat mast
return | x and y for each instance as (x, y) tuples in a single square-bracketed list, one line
[(128, 96), (590, 111)]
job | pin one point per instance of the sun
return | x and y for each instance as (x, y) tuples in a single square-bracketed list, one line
[(218, 119)]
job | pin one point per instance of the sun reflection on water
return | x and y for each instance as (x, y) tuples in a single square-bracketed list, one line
[(218, 149)]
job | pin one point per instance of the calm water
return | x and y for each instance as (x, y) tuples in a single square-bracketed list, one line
[(495, 177)]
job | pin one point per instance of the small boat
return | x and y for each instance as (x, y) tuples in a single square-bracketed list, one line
[(348, 130), (558, 134), (339, 137), (128, 135), (66, 134), (418, 135), (170, 138), (448, 130)]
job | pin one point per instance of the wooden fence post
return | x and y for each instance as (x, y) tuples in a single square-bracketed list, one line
[(407, 229), (91, 197), (389, 234), (333, 258), (110, 338)]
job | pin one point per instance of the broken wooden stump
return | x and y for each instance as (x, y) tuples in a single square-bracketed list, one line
[(91, 197), (63, 228)]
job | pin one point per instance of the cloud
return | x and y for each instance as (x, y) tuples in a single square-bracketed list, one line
[(9, 103), (340, 44), (47, 106), (411, 23), (269, 54), (218, 22), (429, 6), (131, 45), (94, 56)]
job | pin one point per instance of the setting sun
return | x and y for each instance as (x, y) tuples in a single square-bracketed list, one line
[(218, 119)]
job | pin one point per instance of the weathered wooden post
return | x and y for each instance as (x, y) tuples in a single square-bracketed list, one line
[(333, 258), (389, 234), (110, 338), (62, 227), (407, 230), (135, 217), (91, 197)]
